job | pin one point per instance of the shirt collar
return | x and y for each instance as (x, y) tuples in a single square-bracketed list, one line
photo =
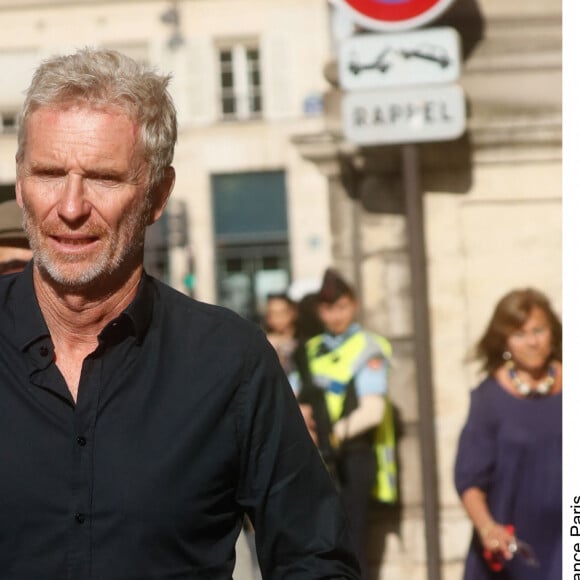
[(335, 340), (30, 326), (140, 311)]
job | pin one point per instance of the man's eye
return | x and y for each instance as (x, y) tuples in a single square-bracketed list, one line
[(107, 180)]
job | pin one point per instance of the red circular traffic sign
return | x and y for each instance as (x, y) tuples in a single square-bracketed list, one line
[(394, 14)]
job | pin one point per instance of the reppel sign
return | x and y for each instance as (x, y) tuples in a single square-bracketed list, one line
[(394, 14), (408, 115)]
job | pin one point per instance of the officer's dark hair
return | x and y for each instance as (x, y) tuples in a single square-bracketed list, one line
[(334, 287)]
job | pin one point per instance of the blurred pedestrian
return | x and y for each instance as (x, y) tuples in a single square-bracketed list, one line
[(347, 388), (137, 425), (280, 322), (508, 469), (15, 251)]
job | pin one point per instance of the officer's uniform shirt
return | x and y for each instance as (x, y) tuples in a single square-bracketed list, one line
[(371, 379)]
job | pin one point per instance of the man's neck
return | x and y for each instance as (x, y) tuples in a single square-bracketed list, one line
[(75, 318)]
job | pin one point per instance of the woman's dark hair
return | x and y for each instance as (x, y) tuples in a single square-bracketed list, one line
[(510, 314)]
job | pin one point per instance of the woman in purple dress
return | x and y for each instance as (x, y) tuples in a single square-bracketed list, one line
[(508, 469)]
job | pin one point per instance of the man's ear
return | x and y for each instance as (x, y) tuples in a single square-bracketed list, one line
[(161, 195), (18, 189)]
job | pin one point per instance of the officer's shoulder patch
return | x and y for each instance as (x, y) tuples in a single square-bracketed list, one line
[(375, 363)]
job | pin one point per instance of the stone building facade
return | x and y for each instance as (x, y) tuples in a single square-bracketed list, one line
[(492, 222), (491, 200)]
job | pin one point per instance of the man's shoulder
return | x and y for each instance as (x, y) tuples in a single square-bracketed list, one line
[(184, 310), (14, 287), (6, 282)]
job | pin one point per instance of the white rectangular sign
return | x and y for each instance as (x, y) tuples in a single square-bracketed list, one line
[(431, 113), (373, 61)]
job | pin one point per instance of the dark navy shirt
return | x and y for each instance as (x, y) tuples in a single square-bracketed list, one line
[(183, 422), (511, 448)]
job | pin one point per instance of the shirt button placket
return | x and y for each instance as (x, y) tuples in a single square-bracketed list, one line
[(82, 440)]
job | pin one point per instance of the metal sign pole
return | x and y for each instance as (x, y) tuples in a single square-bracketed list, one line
[(421, 330)]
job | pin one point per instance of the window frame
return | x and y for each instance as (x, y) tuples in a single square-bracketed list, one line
[(245, 69)]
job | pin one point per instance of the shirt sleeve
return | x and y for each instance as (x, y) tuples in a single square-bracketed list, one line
[(367, 415), (476, 452), (284, 487), (371, 379)]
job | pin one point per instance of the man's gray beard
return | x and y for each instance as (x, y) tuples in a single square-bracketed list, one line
[(107, 264)]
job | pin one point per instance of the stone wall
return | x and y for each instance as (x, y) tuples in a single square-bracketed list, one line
[(492, 207)]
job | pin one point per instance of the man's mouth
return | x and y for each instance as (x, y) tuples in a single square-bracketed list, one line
[(74, 241)]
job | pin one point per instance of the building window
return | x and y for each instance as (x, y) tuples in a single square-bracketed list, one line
[(8, 120), (7, 192), (251, 233), (240, 82), (248, 273)]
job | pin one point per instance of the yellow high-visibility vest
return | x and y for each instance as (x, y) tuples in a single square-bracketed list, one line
[(333, 371)]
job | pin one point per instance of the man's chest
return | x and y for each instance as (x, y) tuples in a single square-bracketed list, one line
[(140, 444)]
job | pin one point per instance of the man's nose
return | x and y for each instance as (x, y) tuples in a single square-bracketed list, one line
[(73, 204)]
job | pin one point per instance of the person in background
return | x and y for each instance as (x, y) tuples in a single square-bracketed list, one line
[(508, 470), (137, 426), (347, 389), (15, 251), (280, 323), (281, 320)]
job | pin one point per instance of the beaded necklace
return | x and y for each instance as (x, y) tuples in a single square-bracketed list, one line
[(542, 389)]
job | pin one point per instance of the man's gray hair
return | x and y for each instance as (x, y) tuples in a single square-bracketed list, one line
[(106, 78)]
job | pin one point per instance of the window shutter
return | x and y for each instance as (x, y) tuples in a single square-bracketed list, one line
[(277, 77), (200, 80), (193, 83)]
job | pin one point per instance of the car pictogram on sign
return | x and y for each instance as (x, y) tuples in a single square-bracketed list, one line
[(387, 58)]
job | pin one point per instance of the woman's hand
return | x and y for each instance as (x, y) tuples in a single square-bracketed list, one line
[(498, 539)]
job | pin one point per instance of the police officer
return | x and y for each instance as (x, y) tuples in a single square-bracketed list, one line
[(346, 385)]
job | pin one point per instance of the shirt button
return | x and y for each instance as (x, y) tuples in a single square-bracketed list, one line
[(44, 351), (80, 518), (81, 440)]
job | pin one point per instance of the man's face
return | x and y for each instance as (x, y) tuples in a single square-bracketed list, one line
[(82, 183)]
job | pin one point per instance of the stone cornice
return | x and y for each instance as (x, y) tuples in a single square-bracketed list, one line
[(487, 140)]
